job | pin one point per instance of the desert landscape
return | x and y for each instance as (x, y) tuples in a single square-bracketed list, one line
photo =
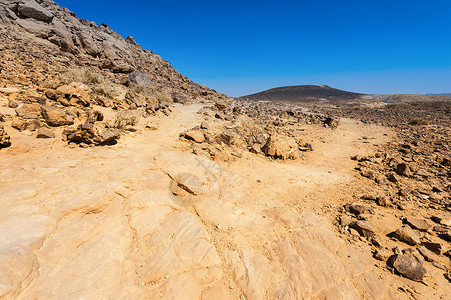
[(121, 178)]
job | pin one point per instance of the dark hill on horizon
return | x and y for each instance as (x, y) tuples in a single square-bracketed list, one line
[(303, 93)]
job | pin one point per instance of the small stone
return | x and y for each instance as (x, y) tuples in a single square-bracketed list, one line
[(418, 224), (45, 133), (382, 180), (403, 169), (439, 265), (382, 255), (434, 247), (392, 177), (368, 174), (407, 235), (383, 201), (428, 255), (443, 219), (364, 228), (195, 135), (358, 209), (405, 191), (345, 220)]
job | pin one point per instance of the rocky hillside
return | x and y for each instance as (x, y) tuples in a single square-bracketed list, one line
[(303, 93), (43, 30)]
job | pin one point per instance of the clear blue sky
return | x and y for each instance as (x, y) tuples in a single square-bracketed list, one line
[(241, 47)]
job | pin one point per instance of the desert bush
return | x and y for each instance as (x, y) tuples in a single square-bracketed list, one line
[(418, 121), (162, 94), (126, 118), (94, 80)]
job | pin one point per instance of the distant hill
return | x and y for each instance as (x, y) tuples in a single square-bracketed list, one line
[(442, 94), (303, 93)]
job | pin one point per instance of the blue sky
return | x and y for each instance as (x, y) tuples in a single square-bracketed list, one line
[(241, 47)]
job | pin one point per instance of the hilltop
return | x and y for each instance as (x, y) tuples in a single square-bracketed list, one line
[(303, 93)]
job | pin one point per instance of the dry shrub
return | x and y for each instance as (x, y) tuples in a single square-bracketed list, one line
[(162, 94), (418, 121), (94, 80), (126, 118)]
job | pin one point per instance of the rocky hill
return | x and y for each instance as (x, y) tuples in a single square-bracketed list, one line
[(303, 93), (43, 30)]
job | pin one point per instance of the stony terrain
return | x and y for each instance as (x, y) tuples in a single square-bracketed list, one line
[(120, 178)]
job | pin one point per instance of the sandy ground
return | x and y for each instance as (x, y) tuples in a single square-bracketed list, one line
[(100, 223)]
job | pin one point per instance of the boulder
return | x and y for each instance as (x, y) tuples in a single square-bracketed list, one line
[(418, 224), (281, 148), (19, 124), (364, 228), (195, 135), (138, 79), (407, 235), (75, 93), (90, 133), (57, 117), (409, 266), (45, 133), (179, 98), (31, 9), (29, 111), (4, 138)]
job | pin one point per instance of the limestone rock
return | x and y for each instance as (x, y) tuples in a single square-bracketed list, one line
[(76, 93), (89, 133), (29, 111), (57, 117), (195, 135), (281, 147)]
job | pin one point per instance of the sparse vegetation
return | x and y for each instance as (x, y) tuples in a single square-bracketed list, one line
[(94, 80), (126, 118), (162, 94)]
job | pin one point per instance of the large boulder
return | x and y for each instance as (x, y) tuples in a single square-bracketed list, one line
[(75, 93), (4, 138), (138, 79), (31, 9), (90, 133), (29, 111), (57, 117), (409, 265), (281, 147)]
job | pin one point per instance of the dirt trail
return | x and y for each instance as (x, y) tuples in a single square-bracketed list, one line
[(101, 222)]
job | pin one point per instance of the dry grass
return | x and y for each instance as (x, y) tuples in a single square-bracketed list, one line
[(94, 80), (162, 94), (126, 118)]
